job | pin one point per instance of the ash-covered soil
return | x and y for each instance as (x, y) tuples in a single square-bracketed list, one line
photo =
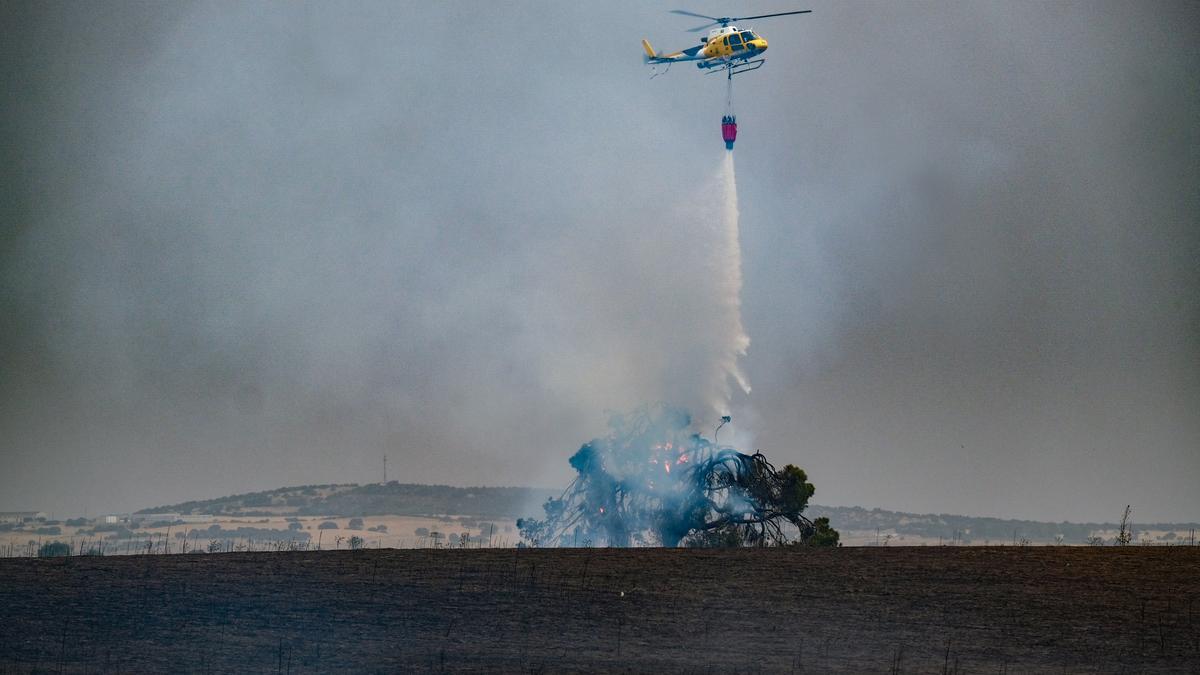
[(934, 609)]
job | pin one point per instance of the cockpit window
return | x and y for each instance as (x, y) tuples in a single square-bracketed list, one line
[(748, 36), (735, 41)]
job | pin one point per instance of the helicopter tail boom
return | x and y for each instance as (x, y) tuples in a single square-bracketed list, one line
[(691, 54)]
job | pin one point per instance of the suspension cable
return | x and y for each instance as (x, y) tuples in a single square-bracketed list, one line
[(729, 90)]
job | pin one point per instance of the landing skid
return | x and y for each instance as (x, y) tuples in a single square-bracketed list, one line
[(731, 70)]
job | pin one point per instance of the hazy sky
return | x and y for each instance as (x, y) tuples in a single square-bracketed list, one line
[(249, 245)]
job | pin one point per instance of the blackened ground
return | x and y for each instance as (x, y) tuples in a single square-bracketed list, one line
[(974, 609)]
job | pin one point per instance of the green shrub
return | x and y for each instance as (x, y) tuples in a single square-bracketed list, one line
[(54, 549), (823, 535)]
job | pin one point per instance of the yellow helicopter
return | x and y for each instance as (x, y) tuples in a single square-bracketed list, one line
[(734, 49)]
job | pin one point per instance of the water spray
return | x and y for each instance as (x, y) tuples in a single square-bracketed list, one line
[(735, 342)]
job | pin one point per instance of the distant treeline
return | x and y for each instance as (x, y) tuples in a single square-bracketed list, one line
[(215, 531), (977, 530), (289, 496), (408, 499), (394, 498)]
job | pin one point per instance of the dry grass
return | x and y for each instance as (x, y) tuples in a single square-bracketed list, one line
[(401, 533)]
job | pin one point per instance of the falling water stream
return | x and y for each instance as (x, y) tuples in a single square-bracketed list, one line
[(735, 342)]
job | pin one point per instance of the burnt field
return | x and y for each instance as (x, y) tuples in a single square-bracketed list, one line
[(934, 609)]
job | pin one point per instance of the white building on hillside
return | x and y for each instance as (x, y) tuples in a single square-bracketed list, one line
[(18, 517)]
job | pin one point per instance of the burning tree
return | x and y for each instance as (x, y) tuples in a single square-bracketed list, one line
[(654, 482)]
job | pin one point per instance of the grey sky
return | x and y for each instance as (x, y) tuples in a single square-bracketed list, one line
[(259, 244)]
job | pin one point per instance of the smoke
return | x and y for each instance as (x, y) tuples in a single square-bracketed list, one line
[(653, 482), (671, 283), (704, 374), (230, 263)]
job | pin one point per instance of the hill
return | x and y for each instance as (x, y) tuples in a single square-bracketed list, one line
[(407, 499), (352, 499)]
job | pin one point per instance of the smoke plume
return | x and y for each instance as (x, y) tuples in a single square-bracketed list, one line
[(653, 482), (230, 263)]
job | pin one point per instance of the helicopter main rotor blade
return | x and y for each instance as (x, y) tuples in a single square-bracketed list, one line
[(698, 16), (764, 16), (697, 29)]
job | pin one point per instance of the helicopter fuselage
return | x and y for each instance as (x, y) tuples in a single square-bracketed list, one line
[(724, 45), (730, 42)]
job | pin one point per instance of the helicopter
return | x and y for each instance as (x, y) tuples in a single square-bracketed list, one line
[(734, 49)]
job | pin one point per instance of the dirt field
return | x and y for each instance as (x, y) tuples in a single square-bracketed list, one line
[(887, 609)]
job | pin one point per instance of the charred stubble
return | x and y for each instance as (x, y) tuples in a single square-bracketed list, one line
[(916, 609)]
